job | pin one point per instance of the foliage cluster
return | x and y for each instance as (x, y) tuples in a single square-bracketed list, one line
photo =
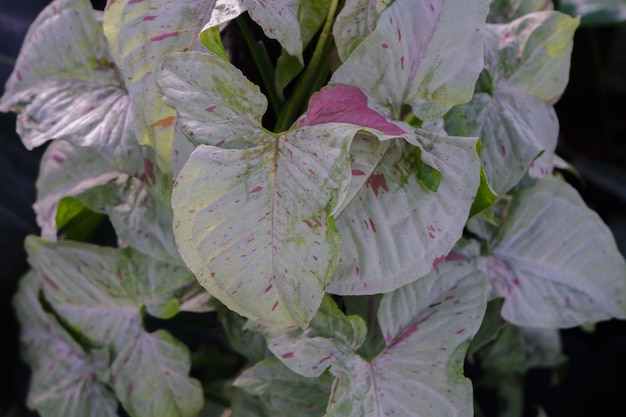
[(379, 208)]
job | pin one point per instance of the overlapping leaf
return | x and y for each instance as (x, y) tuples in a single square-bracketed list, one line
[(65, 86), (140, 219), (284, 392), (139, 33), (64, 380), (401, 222), (425, 54), (559, 276), (251, 216), (426, 326), (100, 292), (527, 68)]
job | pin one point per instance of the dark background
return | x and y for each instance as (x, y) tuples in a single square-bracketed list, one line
[(592, 113)]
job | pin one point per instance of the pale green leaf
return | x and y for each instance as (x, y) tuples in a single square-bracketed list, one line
[(527, 63), (150, 376), (427, 326), (252, 223), (555, 262), (596, 12), (503, 11), (425, 54), (246, 405), (224, 11), (394, 228), (356, 20), (139, 34), (65, 86), (64, 378), (100, 293), (518, 349), (284, 392), (244, 340), (311, 16)]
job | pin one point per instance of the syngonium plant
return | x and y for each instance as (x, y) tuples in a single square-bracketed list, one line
[(380, 208)]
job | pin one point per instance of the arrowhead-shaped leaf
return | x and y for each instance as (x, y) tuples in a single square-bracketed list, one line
[(425, 54), (527, 68), (100, 292), (555, 262), (65, 86), (139, 34), (426, 325), (252, 223), (64, 380), (403, 216)]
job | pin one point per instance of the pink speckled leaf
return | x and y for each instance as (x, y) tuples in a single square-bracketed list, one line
[(139, 34), (527, 68), (64, 379), (561, 275), (394, 228), (66, 86), (252, 224), (426, 53), (427, 327), (100, 293)]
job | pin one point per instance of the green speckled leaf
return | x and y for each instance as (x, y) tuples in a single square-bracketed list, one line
[(503, 11), (426, 325), (394, 228)]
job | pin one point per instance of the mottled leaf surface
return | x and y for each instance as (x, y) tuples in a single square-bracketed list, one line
[(559, 276), (140, 219), (527, 68), (398, 224), (252, 223), (426, 326), (64, 380), (425, 54), (139, 34), (100, 292), (66, 86)]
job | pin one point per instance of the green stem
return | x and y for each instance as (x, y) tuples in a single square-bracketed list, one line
[(263, 64), (302, 92)]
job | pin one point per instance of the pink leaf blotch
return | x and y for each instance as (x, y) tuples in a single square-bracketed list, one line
[(345, 104)]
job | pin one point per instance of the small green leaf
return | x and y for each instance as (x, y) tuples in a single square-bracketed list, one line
[(595, 12)]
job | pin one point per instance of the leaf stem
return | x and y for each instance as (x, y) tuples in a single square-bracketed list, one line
[(302, 92), (263, 64)]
